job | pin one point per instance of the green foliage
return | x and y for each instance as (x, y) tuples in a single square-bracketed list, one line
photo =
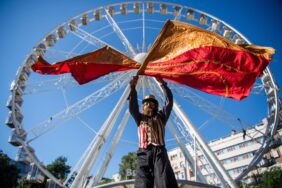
[(8, 173), (105, 180), (59, 168), (127, 162), (24, 183), (272, 179)]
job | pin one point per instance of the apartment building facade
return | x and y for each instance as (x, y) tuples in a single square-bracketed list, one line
[(235, 153)]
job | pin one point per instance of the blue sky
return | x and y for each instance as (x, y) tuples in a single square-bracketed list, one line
[(25, 23)]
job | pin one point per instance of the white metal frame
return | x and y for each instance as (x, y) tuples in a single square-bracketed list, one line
[(18, 87)]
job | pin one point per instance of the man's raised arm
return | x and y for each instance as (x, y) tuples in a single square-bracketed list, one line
[(133, 101), (168, 99)]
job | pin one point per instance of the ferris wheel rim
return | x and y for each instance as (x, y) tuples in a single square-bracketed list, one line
[(267, 73)]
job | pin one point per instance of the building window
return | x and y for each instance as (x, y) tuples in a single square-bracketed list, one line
[(182, 175), (173, 157), (242, 145), (231, 148)]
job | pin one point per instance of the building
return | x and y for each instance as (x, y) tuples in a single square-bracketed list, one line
[(23, 168), (234, 151), (116, 177)]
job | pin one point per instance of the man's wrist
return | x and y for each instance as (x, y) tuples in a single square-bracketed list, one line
[(163, 83)]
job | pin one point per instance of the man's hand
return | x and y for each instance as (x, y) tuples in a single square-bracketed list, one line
[(133, 81), (160, 80)]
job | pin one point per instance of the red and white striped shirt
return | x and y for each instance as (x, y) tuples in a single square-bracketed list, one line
[(151, 132)]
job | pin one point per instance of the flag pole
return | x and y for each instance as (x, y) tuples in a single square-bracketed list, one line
[(156, 42)]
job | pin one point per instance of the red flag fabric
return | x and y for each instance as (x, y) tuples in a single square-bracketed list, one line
[(182, 53), (201, 59), (88, 67)]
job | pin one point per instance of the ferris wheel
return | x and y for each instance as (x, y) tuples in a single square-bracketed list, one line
[(45, 108)]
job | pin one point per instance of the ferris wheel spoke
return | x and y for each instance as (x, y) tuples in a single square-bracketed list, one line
[(87, 125), (80, 106), (258, 89), (206, 123), (58, 55), (214, 110), (143, 29), (88, 37), (135, 144), (87, 45), (77, 117), (120, 34), (63, 82), (127, 29), (77, 45)]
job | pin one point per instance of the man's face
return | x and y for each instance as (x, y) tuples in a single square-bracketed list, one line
[(149, 108)]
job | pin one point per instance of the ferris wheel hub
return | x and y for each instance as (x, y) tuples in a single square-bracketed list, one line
[(140, 57)]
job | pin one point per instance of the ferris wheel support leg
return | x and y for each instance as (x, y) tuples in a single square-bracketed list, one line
[(186, 153), (221, 172), (104, 132), (78, 164), (195, 157), (109, 154)]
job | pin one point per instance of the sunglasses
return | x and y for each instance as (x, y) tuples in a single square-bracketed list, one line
[(148, 103)]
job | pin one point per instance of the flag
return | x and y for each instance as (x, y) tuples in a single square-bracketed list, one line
[(186, 54), (182, 53), (88, 67)]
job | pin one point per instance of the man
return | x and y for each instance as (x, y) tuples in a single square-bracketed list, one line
[(153, 165)]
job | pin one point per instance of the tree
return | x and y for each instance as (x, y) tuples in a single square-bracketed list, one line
[(24, 183), (127, 162), (272, 178), (59, 168), (105, 181), (8, 172)]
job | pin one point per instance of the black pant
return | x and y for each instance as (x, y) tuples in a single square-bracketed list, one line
[(153, 166)]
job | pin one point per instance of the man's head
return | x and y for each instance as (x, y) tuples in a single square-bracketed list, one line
[(150, 105)]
